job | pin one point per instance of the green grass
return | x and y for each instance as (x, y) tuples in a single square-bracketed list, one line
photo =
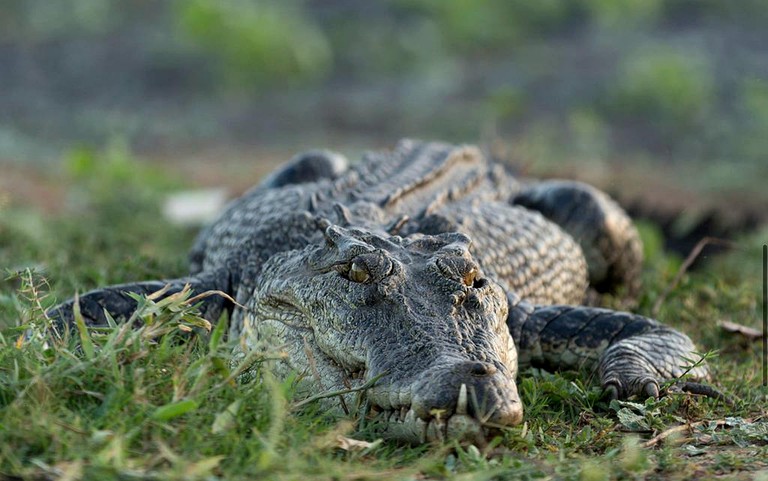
[(163, 401)]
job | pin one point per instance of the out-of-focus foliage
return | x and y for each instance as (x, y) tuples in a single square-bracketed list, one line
[(662, 91), (754, 109), (620, 14), (470, 26), (40, 21), (114, 170), (113, 207), (682, 80), (257, 42)]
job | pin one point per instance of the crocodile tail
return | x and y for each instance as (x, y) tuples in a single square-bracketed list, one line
[(118, 302)]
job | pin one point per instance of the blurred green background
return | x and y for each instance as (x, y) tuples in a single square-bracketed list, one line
[(109, 106), (659, 99)]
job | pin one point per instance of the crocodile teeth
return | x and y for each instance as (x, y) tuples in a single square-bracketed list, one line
[(436, 430), (410, 416), (461, 404)]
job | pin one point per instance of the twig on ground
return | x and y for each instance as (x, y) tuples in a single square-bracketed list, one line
[(369, 384), (678, 429), (689, 427), (749, 333)]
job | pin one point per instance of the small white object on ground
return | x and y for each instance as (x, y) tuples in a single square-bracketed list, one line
[(194, 207)]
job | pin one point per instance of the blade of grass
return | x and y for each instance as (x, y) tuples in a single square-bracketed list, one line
[(82, 329)]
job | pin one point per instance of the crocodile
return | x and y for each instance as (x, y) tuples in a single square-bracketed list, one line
[(429, 275)]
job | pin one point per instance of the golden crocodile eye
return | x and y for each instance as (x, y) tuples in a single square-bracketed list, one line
[(469, 277), (358, 273)]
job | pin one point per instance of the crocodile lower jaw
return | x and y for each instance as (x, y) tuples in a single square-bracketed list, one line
[(405, 426)]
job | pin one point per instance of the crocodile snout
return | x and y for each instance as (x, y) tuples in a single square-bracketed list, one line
[(463, 401), (478, 389)]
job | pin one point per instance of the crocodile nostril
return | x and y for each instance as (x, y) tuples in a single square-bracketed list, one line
[(482, 369)]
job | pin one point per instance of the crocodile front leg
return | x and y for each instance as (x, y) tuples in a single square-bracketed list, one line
[(632, 354), (117, 301)]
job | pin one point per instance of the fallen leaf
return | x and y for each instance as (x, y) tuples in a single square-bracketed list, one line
[(748, 332), (355, 445), (632, 421)]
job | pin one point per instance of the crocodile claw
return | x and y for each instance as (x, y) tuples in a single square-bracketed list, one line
[(611, 392), (651, 389), (644, 388)]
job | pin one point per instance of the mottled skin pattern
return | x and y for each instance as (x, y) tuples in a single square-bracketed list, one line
[(436, 272)]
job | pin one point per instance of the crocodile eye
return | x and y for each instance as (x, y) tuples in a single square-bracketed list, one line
[(469, 277), (461, 270), (358, 273)]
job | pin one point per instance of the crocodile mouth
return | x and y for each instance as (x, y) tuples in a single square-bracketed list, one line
[(403, 424)]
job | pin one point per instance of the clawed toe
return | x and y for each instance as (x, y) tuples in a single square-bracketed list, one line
[(651, 389), (623, 389), (610, 392)]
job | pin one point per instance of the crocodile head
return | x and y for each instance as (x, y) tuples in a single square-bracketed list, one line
[(416, 314)]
